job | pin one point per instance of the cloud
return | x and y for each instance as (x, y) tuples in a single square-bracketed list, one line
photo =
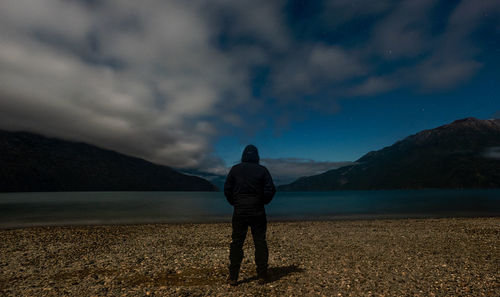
[(492, 153), (141, 79), (424, 45), (445, 74), (282, 170), (236, 21), (404, 33), (372, 86), (349, 10), (286, 170), (310, 69), (457, 56)]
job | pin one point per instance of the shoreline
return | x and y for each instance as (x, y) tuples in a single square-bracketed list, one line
[(383, 257), (227, 219)]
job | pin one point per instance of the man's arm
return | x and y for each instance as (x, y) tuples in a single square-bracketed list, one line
[(269, 189), (228, 187)]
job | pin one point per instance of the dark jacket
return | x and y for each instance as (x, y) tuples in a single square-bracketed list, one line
[(249, 185)]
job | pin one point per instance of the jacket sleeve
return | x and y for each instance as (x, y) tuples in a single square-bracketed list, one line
[(229, 187), (269, 189)]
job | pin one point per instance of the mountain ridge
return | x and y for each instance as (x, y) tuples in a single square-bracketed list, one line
[(449, 156), (31, 162)]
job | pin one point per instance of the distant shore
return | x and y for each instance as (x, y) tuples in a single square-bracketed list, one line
[(383, 257)]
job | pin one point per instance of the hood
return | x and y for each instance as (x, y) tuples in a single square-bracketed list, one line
[(250, 154)]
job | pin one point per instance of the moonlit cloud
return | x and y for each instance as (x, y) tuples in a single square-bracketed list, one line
[(286, 170), (161, 79), (310, 70), (492, 153), (372, 86), (140, 79)]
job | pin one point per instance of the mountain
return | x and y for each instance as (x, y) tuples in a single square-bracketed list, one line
[(463, 154), (31, 162), (216, 179)]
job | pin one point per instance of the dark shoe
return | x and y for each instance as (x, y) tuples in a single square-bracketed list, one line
[(262, 279), (232, 282)]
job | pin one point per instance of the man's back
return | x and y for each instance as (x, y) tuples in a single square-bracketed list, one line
[(248, 188)]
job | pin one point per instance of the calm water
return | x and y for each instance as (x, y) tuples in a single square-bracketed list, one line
[(27, 209)]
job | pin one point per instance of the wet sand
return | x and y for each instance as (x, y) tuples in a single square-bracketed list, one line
[(404, 257)]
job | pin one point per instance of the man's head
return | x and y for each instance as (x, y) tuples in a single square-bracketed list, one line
[(250, 154)]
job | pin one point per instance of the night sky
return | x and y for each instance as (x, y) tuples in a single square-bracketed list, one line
[(313, 84)]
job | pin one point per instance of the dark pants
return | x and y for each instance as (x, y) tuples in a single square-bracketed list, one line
[(258, 226)]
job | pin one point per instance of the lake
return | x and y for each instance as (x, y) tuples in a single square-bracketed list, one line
[(74, 208)]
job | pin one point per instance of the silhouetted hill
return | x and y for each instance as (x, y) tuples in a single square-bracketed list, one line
[(216, 179), (462, 154), (31, 162)]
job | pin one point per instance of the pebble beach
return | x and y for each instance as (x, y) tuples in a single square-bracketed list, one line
[(397, 257)]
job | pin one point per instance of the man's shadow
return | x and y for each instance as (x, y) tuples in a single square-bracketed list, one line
[(276, 273)]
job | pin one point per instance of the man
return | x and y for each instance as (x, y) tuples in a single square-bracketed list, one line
[(248, 188)]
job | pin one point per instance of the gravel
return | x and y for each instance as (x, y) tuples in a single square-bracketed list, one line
[(405, 257)]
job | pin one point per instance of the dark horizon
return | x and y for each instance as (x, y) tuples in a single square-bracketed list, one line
[(461, 154)]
